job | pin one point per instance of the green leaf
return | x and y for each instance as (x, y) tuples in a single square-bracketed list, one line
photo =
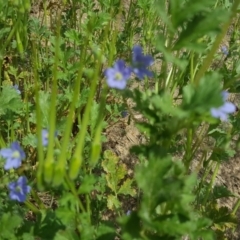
[(121, 171), (113, 202), (94, 117), (168, 53), (200, 99), (48, 224), (200, 25), (222, 153), (10, 100), (67, 217), (221, 192), (110, 162), (126, 188), (44, 102), (85, 228), (165, 186), (115, 172), (165, 104), (73, 35), (28, 236), (87, 184), (30, 140), (131, 226), (221, 216), (183, 11), (67, 200), (8, 225), (66, 235), (112, 184), (105, 231)]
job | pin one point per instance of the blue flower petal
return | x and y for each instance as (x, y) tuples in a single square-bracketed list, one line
[(19, 189), (228, 107), (45, 137), (140, 62), (6, 152), (223, 111), (12, 163), (118, 76), (13, 155)]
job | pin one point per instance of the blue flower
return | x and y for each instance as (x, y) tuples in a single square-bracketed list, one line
[(118, 75), (140, 62), (17, 88), (45, 137), (19, 189), (128, 212), (223, 111), (124, 113), (224, 50), (13, 155)]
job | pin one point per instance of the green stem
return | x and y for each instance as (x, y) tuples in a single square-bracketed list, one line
[(32, 207), (211, 183), (48, 166), (77, 159), (206, 171), (96, 146), (237, 205), (72, 188), (4, 47), (188, 154), (199, 139), (37, 199), (39, 120), (208, 60), (192, 66), (61, 163)]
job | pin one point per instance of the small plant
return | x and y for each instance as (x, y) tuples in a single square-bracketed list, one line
[(115, 175)]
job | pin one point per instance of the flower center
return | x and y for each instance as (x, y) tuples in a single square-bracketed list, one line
[(16, 154), (118, 76), (18, 189), (46, 136), (139, 64)]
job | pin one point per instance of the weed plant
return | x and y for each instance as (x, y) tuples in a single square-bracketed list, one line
[(68, 70)]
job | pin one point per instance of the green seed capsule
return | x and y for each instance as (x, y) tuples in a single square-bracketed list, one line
[(48, 172), (75, 165)]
